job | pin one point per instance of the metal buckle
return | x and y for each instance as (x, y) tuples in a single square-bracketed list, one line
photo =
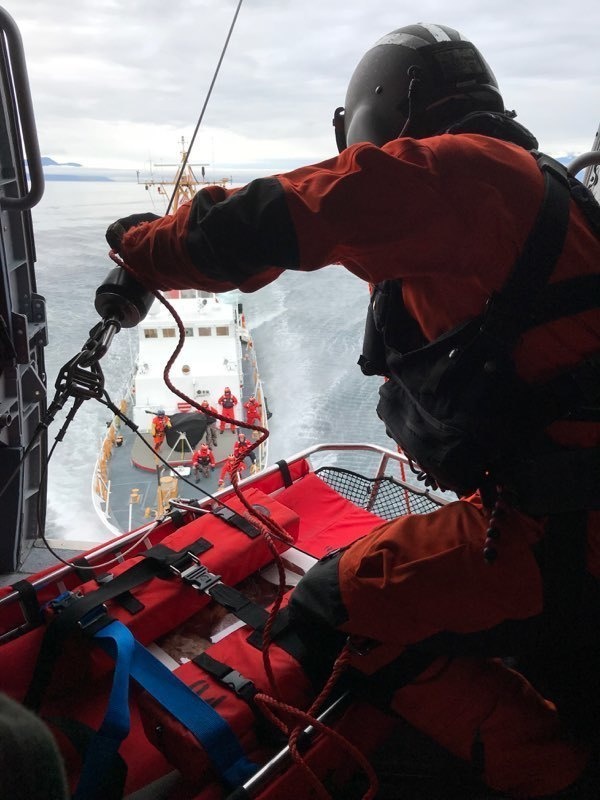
[(92, 616), (197, 575)]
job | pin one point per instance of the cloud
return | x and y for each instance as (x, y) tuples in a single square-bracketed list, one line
[(116, 82)]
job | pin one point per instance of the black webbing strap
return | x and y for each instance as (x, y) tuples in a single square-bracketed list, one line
[(73, 610), (380, 687), (509, 310), (565, 299), (28, 601), (228, 676), (126, 599), (236, 520), (557, 481), (237, 603), (83, 568), (285, 472)]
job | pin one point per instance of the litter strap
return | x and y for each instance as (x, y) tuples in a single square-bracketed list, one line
[(206, 724), (104, 745)]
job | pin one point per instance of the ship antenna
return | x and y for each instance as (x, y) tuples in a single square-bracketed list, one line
[(207, 98)]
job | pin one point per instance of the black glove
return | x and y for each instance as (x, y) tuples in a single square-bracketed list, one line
[(116, 231)]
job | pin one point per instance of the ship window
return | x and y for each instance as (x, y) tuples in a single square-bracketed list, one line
[(168, 333), (186, 369), (204, 331), (222, 330), (189, 331), (188, 293), (150, 333), (202, 293)]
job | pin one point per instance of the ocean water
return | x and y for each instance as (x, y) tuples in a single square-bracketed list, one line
[(307, 329)]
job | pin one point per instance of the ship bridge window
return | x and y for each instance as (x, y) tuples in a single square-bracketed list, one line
[(189, 331), (204, 331), (222, 330), (168, 333), (202, 293), (188, 293), (150, 333)]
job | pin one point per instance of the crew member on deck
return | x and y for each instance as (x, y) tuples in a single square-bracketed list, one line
[(159, 426), (211, 432), (241, 448), (232, 464), (253, 410), (433, 201), (203, 457), (228, 402)]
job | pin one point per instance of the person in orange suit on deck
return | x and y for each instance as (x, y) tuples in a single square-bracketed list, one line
[(253, 410), (434, 199), (228, 402), (202, 459), (158, 428), (232, 464), (253, 413)]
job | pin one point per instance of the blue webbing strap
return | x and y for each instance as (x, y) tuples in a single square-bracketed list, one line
[(212, 731), (105, 743)]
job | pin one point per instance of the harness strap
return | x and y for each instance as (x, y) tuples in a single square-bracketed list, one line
[(560, 480), (509, 309)]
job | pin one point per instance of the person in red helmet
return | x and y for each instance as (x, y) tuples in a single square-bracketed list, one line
[(203, 459), (231, 465), (158, 428), (228, 402), (211, 433), (482, 257)]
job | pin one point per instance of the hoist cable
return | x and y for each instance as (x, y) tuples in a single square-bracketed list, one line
[(208, 94)]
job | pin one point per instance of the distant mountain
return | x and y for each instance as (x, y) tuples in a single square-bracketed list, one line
[(50, 162)]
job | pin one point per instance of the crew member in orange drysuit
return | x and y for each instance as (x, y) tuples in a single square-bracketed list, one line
[(241, 447), (211, 433), (228, 402), (202, 457), (159, 426), (231, 465), (253, 410), (433, 195)]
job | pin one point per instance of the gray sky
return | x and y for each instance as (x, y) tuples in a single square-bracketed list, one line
[(116, 83)]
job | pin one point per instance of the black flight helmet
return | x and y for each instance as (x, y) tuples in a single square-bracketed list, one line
[(415, 81)]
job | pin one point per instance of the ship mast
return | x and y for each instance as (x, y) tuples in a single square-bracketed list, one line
[(185, 182)]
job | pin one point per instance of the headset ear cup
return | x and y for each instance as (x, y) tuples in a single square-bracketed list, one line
[(339, 127)]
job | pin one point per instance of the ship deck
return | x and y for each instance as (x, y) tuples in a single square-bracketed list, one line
[(136, 473)]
